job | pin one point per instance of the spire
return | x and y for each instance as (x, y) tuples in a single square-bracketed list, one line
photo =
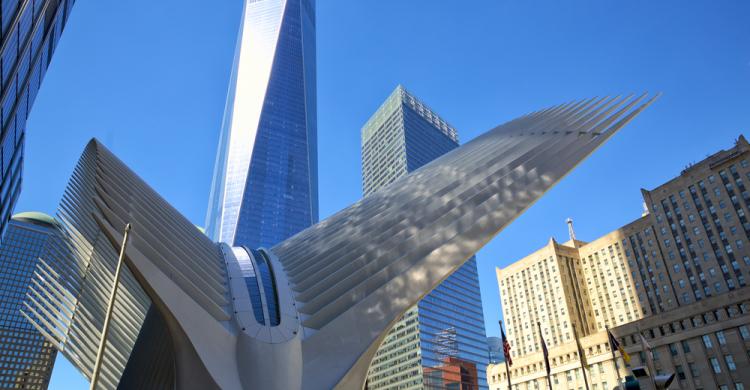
[(571, 233)]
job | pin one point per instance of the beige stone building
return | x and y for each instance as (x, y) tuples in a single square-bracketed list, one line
[(678, 273)]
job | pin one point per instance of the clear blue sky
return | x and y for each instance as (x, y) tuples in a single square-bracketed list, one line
[(149, 79)]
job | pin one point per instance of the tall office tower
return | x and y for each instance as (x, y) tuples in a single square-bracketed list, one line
[(26, 357), (444, 333), (495, 347), (30, 32), (265, 185), (678, 273)]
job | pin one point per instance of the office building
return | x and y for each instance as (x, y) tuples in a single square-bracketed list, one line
[(678, 273), (402, 136), (265, 185), (26, 357), (495, 348), (30, 33), (311, 311)]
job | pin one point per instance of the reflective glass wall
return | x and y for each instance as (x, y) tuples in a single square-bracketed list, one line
[(265, 184), (440, 343), (30, 32), (26, 358)]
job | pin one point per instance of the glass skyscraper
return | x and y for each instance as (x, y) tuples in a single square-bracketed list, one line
[(265, 178), (440, 343), (26, 358), (30, 32)]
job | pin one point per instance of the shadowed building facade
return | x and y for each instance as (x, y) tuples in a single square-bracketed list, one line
[(265, 185), (30, 32), (311, 311), (679, 273), (26, 357), (402, 136)]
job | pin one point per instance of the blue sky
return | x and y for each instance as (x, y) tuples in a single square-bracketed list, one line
[(149, 79)]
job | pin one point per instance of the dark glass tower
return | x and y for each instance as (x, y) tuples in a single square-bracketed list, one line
[(30, 32), (440, 343), (265, 178), (26, 358)]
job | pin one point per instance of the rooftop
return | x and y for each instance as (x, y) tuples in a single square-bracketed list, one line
[(36, 218)]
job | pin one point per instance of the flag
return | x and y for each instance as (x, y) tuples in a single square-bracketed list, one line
[(506, 348), (649, 357), (615, 345), (544, 350), (645, 343), (647, 350)]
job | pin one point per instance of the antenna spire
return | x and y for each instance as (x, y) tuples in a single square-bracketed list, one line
[(571, 232)]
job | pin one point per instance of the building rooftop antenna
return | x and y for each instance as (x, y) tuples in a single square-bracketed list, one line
[(571, 232)]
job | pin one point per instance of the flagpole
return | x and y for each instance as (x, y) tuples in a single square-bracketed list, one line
[(581, 358), (546, 356), (507, 370), (614, 357)]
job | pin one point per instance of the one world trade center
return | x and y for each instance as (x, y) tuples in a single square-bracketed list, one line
[(265, 188)]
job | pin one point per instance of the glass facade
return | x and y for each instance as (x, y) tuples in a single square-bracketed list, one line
[(26, 358), (251, 281), (265, 178), (260, 283), (440, 343), (495, 346), (29, 35)]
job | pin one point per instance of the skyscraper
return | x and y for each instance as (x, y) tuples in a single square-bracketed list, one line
[(445, 331), (495, 347), (265, 185), (30, 32), (26, 358)]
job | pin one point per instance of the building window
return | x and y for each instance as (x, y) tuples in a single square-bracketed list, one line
[(739, 386), (680, 372), (685, 346), (673, 349), (707, 341), (715, 365), (720, 336), (730, 362), (694, 371), (745, 332)]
